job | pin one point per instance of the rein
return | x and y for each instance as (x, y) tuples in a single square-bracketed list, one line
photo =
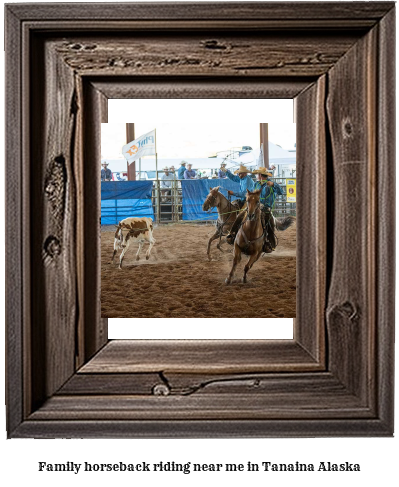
[(247, 241), (212, 204)]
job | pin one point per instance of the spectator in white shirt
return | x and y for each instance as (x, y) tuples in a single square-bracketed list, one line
[(166, 183)]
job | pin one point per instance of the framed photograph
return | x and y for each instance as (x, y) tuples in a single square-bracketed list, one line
[(65, 378), (167, 232)]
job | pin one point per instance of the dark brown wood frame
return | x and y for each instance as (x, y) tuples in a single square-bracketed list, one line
[(63, 62)]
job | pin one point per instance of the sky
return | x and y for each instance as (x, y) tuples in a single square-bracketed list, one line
[(198, 128)]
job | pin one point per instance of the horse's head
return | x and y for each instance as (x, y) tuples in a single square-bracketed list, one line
[(211, 199), (253, 203)]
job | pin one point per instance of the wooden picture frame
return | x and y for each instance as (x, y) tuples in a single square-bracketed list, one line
[(63, 62)]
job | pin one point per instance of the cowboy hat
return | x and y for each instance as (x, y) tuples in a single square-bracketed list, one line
[(242, 169), (262, 170), (223, 164), (165, 169), (183, 163), (104, 163)]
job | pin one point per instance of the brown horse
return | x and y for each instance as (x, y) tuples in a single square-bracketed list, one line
[(250, 236), (227, 213)]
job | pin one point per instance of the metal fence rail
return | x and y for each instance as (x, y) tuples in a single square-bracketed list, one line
[(168, 203)]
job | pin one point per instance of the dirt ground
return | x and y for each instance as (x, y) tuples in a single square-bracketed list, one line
[(179, 281)]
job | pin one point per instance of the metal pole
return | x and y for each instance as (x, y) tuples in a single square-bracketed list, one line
[(157, 181), (158, 201), (156, 158)]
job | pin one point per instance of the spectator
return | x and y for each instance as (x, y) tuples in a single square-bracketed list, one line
[(182, 169), (222, 171), (106, 174), (166, 183), (189, 172)]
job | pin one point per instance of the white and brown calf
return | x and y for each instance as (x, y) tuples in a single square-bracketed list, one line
[(133, 229)]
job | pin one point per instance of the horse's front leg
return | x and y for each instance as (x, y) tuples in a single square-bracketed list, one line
[(251, 261), (214, 237), (236, 260), (219, 243)]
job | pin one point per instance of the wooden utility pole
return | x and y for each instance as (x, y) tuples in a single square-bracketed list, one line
[(264, 139), (131, 168)]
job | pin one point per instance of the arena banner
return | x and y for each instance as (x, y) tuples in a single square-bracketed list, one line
[(142, 146), (291, 190), (195, 192), (123, 199)]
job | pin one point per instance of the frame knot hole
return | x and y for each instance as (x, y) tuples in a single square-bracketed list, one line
[(349, 310), (161, 390), (51, 249), (347, 128), (213, 44)]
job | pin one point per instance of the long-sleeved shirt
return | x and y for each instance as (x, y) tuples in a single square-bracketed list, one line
[(268, 193), (180, 172), (222, 174), (166, 180), (106, 174), (189, 174), (245, 183)]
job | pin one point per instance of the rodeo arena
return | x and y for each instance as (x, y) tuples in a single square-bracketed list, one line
[(208, 237)]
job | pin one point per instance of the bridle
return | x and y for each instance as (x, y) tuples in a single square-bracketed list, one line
[(251, 216), (212, 202)]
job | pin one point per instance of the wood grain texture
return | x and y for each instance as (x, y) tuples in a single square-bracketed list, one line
[(200, 356), (190, 428), (353, 124), (15, 221), (95, 329), (173, 88), (52, 223), (208, 11), (189, 389), (203, 407), (385, 224), (184, 384), (261, 54), (311, 218)]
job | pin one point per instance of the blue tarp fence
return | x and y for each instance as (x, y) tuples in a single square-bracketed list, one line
[(123, 199), (195, 192)]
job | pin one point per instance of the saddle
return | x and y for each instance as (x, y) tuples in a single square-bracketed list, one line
[(238, 204), (267, 245)]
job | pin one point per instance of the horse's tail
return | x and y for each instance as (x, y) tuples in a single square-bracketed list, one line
[(284, 223)]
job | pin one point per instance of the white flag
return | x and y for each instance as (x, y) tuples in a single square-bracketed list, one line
[(260, 161), (143, 146)]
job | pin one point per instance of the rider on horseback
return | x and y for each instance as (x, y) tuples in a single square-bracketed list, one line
[(269, 191), (245, 181)]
